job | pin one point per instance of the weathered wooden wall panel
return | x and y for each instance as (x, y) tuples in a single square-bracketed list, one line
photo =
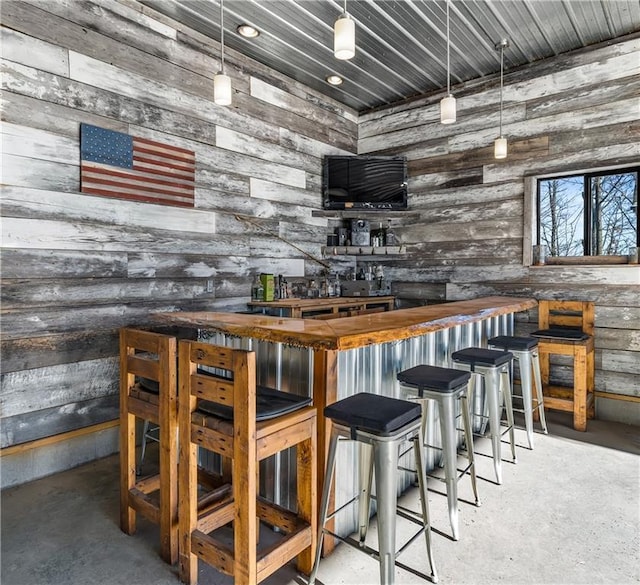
[(76, 267), (568, 114)]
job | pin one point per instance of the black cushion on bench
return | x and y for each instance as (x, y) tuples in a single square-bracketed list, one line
[(434, 378), (270, 403), (373, 413), (148, 385), (560, 333)]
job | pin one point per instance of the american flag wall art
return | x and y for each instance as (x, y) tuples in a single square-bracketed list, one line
[(114, 164)]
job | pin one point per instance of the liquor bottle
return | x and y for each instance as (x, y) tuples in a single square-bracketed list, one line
[(380, 236), (390, 236), (337, 287), (257, 290)]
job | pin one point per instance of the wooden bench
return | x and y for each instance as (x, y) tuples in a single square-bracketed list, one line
[(567, 328), (222, 410), (148, 390)]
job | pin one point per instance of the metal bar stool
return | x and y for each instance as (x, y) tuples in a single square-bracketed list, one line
[(525, 351), (446, 387), (380, 424), (493, 368)]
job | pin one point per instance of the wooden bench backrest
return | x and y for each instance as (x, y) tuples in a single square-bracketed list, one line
[(575, 314), (147, 355), (237, 390)]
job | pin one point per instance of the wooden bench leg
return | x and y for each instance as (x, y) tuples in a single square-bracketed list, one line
[(580, 378), (169, 492), (188, 491), (127, 471), (591, 383), (307, 497)]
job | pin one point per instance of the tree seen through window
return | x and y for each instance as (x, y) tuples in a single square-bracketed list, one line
[(589, 215)]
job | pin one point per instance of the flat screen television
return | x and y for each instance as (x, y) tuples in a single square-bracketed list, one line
[(364, 182)]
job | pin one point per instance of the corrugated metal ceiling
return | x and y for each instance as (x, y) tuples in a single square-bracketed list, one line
[(401, 44)]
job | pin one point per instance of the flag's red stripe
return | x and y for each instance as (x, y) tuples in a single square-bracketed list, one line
[(119, 188), (114, 185), (163, 164), (188, 163), (141, 198), (179, 184), (163, 146)]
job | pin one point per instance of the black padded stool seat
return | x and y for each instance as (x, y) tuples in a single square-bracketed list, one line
[(478, 356), (560, 333), (373, 413), (507, 342), (433, 378)]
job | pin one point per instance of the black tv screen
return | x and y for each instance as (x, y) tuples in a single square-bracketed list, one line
[(364, 182)]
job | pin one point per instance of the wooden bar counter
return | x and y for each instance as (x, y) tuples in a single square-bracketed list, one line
[(340, 357)]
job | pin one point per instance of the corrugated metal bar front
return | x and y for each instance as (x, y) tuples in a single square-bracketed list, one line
[(367, 369)]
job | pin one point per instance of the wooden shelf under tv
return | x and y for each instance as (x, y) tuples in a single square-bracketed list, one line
[(328, 251), (373, 214)]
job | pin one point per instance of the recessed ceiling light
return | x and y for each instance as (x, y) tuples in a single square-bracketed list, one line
[(247, 31), (334, 79)]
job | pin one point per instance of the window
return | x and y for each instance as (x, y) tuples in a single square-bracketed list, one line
[(594, 214)]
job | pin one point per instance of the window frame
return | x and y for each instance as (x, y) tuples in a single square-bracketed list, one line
[(532, 220)]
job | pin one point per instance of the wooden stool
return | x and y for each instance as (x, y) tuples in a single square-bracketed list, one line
[(567, 328), (148, 391), (222, 410)]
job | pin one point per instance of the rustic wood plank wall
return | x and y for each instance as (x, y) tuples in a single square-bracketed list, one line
[(472, 236), (75, 267)]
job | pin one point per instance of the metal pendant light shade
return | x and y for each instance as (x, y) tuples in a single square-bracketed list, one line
[(221, 82), (500, 144), (448, 104), (344, 36)]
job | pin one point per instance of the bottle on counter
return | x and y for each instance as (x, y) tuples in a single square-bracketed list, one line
[(337, 287), (390, 236), (378, 237), (257, 290)]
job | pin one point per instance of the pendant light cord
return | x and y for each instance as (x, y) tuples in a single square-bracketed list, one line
[(501, 83), (222, 36), (345, 6), (448, 54)]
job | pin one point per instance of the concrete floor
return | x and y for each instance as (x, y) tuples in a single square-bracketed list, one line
[(567, 513)]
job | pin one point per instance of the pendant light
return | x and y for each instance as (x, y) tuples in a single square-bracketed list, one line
[(500, 144), (344, 36), (448, 104), (222, 82)]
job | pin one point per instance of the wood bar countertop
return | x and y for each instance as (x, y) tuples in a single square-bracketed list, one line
[(349, 332)]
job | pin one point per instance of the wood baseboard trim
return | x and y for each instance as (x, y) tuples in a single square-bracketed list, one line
[(22, 447), (623, 397)]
